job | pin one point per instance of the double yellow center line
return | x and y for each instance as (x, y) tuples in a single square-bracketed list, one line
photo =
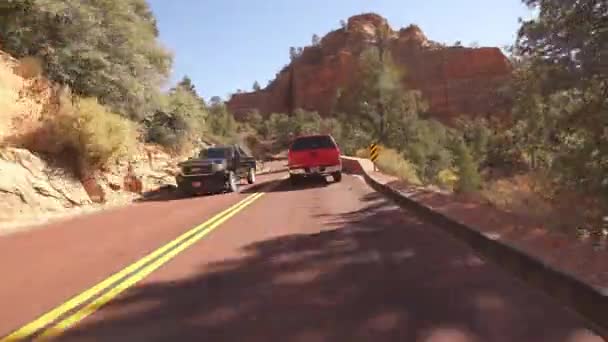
[(61, 318)]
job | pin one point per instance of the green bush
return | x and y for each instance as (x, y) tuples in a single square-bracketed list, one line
[(427, 147), (167, 137), (284, 127), (281, 127), (220, 122), (477, 133), (352, 136), (469, 179), (305, 122), (332, 126)]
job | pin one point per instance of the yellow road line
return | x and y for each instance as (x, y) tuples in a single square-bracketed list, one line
[(51, 316), (89, 309)]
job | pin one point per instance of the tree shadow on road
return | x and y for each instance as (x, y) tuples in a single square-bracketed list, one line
[(172, 193), (164, 193), (376, 275), (284, 185), (168, 193)]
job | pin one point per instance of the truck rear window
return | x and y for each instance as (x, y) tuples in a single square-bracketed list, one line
[(215, 153), (309, 143)]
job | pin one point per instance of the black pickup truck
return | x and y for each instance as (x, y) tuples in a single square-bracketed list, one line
[(216, 169)]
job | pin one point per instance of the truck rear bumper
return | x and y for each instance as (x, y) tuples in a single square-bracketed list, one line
[(315, 170), (201, 184)]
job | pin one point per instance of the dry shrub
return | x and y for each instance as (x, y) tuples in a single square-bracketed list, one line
[(9, 96), (362, 153), (521, 195), (29, 67), (83, 133), (97, 134), (256, 147), (535, 197), (393, 163)]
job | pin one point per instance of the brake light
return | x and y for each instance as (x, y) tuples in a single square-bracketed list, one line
[(289, 157)]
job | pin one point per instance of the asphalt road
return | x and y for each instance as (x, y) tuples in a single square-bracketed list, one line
[(319, 262)]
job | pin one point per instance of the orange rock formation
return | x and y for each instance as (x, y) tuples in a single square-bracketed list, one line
[(454, 80)]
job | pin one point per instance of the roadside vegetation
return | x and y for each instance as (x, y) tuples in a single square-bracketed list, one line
[(106, 58)]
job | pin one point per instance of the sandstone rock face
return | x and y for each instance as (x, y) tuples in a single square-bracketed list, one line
[(454, 80), (33, 189), (30, 187)]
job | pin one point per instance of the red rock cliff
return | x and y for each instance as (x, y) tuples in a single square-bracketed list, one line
[(454, 80)]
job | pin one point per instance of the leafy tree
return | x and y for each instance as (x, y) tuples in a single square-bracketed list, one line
[(293, 53), (220, 121), (316, 40), (256, 86), (354, 136), (280, 126), (180, 119), (215, 101), (186, 84), (477, 135), (469, 179), (305, 122), (563, 90), (332, 126), (104, 49), (570, 36), (426, 147), (389, 77), (377, 101), (255, 119)]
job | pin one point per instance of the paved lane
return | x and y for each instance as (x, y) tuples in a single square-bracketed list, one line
[(45, 267), (326, 263)]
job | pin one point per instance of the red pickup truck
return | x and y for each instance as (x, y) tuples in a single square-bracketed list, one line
[(314, 156)]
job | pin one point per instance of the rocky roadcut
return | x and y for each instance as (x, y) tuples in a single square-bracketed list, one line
[(32, 190), (35, 188)]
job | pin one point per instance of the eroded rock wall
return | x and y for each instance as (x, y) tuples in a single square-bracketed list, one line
[(454, 80)]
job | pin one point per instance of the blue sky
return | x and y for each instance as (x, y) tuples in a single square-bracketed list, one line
[(225, 45)]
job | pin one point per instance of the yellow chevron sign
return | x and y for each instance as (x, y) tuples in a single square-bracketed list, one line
[(374, 152)]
